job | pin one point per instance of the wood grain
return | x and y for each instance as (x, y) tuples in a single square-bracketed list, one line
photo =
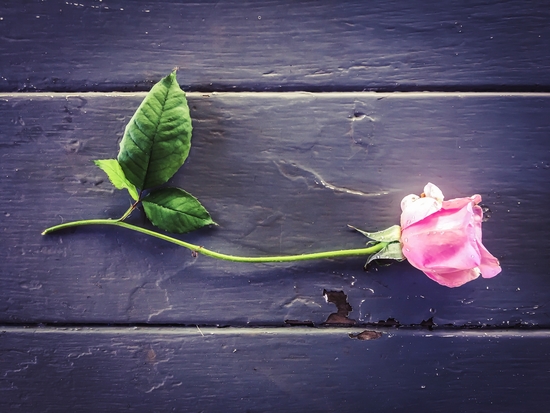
[(236, 370), (273, 169), (104, 320), (276, 45)]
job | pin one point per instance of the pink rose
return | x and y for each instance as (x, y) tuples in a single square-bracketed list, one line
[(443, 238)]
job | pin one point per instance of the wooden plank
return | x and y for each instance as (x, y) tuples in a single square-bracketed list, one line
[(257, 164), (236, 370), (58, 45)]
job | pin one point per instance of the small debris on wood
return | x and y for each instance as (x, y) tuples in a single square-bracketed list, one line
[(305, 323), (366, 335), (429, 323), (390, 322)]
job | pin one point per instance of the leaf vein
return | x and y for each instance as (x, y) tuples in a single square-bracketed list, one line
[(163, 103)]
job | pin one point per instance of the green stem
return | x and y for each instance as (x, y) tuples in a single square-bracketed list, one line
[(195, 248), (127, 213)]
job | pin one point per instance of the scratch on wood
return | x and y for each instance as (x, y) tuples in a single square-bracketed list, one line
[(294, 172)]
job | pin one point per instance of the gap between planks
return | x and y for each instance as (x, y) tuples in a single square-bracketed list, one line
[(378, 95), (194, 331)]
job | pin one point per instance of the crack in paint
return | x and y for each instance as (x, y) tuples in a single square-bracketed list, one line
[(294, 172)]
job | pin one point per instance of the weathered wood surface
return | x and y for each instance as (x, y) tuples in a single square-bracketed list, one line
[(273, 168), (260, 370), (258, 163), (114, 45)]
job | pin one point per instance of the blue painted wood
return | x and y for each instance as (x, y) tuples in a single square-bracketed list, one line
[(236, 370), (257, 163), (58, 45), (274, 169)]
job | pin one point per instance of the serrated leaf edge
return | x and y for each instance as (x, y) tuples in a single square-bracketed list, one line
[(123, 185)]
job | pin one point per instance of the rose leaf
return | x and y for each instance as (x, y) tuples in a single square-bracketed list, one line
[(116, 175), (174, 210), (157, 139)]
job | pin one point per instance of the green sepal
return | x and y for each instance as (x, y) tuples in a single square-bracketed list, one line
[(157, 139), (116, 175), (174, 210), (391, 251), (390, 234), (391, 237)]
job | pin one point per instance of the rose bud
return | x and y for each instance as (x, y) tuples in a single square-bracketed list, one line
[(443, 238)]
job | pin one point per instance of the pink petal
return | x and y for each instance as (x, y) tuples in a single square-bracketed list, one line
[(444, 238), (489, 264), (444, 241), (418, 210), (453, 279), (458, 203)]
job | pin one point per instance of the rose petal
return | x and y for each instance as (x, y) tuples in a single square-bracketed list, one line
[(476, 198), (451, 247), (444, 238), (408, 200), (489, 264), (458, 203), (455, 278), (418, 210), (432, 191)]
